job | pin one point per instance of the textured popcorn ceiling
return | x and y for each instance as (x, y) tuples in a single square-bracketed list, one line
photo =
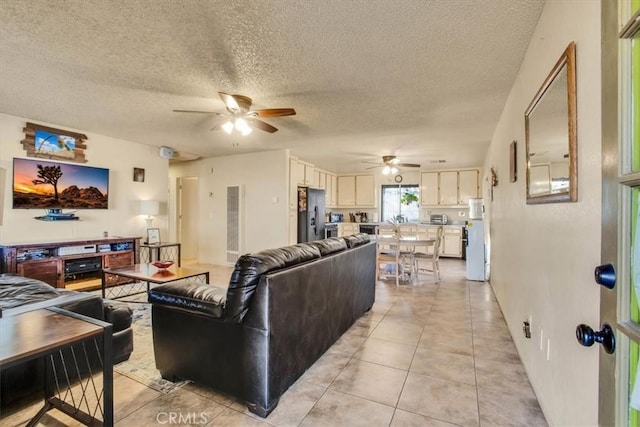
[(421, 79)]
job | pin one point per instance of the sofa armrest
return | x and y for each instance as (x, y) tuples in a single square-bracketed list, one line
[(194, 297)]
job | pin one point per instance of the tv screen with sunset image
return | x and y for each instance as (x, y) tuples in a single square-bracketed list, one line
[(40, 184)]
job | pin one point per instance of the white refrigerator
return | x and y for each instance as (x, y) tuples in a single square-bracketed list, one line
[(476, 258)]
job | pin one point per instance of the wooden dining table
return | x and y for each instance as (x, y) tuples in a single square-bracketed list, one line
[(403, 247)]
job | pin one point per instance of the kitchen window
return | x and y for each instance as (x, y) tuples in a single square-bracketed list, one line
[(400, 203)]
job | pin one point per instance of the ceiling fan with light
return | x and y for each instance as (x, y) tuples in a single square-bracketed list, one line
[(391, 165), (241, 117)]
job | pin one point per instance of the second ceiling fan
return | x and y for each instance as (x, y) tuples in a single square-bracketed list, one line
[(391, 164), (241, 117)]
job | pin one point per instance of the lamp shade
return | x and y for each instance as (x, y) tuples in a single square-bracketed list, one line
[(149, 207)]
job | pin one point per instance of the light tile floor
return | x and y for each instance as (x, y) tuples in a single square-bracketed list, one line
[(425, 355)]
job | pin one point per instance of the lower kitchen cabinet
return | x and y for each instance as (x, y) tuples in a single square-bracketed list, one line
[(452, 242), (348, 228)]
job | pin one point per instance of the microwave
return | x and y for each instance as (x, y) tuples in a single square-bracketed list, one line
[(440, 219)]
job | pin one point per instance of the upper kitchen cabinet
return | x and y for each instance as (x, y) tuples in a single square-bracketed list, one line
[(331, 190), (301, 174), (365, 190), (449, 188), (468, 185), (356, 191), (346, 191), (429, 189), (320, 179)]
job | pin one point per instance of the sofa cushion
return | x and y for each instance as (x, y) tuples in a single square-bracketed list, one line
[(357, 240), (248, 269), (329, 246), (196, 297), (118, 314), (17, 290)]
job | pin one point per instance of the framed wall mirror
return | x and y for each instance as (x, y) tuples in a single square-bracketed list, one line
[(551, 139)]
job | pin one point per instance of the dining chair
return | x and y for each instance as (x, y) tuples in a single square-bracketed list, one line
[(427, 250), (407, 234), (387, 252)]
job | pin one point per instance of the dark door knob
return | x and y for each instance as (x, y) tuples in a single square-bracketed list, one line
[(605, 275), (587, 336)]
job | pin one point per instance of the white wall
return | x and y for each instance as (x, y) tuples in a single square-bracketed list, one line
[(119, 156), (264, 178), (542, 256)]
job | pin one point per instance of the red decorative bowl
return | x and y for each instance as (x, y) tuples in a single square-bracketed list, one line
[(162, 264)]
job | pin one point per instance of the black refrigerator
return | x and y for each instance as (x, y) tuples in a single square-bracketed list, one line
[(310, 214)]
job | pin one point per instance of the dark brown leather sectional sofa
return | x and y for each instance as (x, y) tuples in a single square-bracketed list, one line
[(283, 309)]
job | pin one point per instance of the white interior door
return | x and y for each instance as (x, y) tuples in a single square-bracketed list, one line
[(188, 217)]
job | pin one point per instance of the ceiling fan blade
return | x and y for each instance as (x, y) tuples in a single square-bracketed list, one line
[(259, 124), (407, 165), (230, 102), (374, 167), (201, 112), (372, 163), (275, 112)]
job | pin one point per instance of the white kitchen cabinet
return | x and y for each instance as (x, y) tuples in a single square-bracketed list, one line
[(296, 176), (293, 227), (429, 189), (319, 179), (330, 190), (347, 228), (296, 172), (468, 185), (334, 190), (356, 191), (309, 176), (449, 188), (365, 190), (347, 190), (452, 242)]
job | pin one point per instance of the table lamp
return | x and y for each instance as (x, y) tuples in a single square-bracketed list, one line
[(149, 208)]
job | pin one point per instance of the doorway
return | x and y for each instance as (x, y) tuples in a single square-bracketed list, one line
[(187, 216)]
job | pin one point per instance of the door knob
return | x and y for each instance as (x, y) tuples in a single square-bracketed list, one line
[(605, 275), (587, 336)]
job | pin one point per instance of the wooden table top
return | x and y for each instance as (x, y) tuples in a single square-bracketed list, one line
[(150, 273), (38, 332)]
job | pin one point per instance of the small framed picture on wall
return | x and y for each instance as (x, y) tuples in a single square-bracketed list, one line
[(153, 236), (138, 175)]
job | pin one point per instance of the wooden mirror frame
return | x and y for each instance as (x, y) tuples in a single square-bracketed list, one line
[(566, 62)]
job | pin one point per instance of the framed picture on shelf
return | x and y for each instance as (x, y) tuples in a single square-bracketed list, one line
[(153, 236)]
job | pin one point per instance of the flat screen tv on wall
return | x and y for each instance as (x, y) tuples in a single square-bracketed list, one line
[(41, 184)]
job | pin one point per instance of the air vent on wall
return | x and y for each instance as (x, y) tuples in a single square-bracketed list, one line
[(234, 215)]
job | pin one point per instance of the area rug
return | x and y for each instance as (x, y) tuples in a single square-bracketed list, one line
[(141, 365)]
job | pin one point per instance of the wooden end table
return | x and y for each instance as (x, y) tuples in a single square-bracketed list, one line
[(57, 334)]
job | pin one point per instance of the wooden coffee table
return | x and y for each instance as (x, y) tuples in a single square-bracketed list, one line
[(148, 273)]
